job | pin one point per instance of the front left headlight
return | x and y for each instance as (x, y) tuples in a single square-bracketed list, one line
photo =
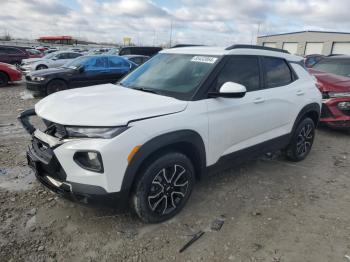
[(38, 78), (94, 132)]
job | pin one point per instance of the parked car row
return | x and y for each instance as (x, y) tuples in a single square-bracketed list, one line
[(80, 72)]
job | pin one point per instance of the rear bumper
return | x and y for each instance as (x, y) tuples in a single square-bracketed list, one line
[(333, 116)]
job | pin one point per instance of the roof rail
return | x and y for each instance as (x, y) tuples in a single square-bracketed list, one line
[(256, 47), (185, 45)]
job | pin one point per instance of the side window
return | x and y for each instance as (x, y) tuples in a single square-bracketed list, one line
[(243, 70), (62, 56), (277, 72), (95, 63), (116, 62), (12, 51), (73, 55), (137, 60)]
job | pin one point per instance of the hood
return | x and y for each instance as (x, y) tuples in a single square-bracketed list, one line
[(105, 105), (50, 71), (330, 82)]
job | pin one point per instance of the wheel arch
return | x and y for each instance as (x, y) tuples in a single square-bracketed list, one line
[(6, 74), (56, 78), (187, 142), (312, 111), (41, 64)]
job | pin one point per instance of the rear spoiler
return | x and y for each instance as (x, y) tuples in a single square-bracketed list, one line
[(23, 118)]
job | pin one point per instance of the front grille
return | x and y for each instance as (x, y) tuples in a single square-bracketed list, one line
[(325, 95), (55, 130), (325, 112)]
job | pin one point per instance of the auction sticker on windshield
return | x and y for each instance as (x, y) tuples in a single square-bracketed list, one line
[(204, 59)]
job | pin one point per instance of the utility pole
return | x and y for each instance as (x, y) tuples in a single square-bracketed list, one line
[(171, 32)]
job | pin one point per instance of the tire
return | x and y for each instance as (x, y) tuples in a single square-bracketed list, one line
[(55, 85), (164, 187), (41, 67), (302, 140), (4, 80)]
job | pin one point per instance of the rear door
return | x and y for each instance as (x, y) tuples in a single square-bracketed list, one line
[(14, 55), (283, 96), (117, 67), (59, 60), (4, 57)]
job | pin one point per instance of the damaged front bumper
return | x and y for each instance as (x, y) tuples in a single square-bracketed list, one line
[(49, 172)]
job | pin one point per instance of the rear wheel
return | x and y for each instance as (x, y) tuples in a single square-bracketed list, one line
[(3, 79), (41, 67), (164, 187), (302, 140), (55, 86)]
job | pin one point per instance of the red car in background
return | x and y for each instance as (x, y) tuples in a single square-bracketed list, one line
[(333, 77), (9, 73)]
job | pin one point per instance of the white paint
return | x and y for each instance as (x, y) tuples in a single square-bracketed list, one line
[(292, 48), (313, 48), (342, 48)]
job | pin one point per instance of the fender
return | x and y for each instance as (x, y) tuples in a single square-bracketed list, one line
[(165, 141), (313, 107)]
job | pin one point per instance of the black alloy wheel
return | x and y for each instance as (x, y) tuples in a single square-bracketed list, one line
[(168, 189), (164, 186), (302, 140), (55, 86)]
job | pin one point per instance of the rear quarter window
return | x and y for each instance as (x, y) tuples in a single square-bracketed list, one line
[(277, 72)]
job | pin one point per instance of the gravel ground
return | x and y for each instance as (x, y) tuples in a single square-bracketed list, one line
[(272, 210)]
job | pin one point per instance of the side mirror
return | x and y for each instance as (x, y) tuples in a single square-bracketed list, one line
[(81, 69), (230, 90)]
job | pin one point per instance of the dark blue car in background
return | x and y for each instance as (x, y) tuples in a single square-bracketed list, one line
[(80, 72)]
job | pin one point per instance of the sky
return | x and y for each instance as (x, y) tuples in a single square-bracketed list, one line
[(220, 22)]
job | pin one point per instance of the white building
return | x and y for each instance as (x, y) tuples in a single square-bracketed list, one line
[(309, 42)]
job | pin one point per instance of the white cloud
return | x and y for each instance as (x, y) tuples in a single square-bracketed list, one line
[(220, 22)]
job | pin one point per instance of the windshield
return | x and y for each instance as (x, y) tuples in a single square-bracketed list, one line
[(175, 75), (49, 56), (334, 66), (77, 62)]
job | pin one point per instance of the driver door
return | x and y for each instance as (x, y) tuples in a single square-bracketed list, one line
[(236, 123), (94, 72)]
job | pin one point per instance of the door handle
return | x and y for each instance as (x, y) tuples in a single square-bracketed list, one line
[(259, 100), (300, 92)]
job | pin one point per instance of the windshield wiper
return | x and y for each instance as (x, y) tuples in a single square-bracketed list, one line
[(145, 90)]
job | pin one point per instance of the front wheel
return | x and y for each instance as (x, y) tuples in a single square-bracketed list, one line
[(41, 67), (164, 187), (302, 140), (55, 86), (3, 79)]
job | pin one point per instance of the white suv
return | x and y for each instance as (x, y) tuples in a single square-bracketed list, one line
[(148, 139)]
